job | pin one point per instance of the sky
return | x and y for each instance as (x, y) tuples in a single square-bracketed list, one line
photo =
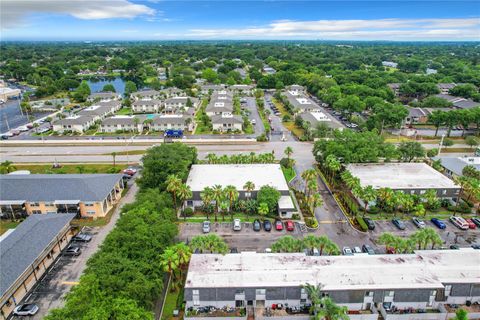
[(96, 20)]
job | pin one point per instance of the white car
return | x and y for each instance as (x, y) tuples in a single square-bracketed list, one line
[(357, 250), (253, 122), (237, 225), (22, 129), (206, 226), (28, 309), (347, 251), (459, 222)]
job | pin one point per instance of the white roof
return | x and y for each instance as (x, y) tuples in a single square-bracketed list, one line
[(423, 269), (320, 116), (208, 175), (286, 202), (400, 176)]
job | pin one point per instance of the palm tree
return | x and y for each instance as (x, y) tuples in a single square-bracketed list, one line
[(136, 121), (184, 253), (367, 194), (210, 243), (173, 184), (169, 261), (288, 152), (324, 307), (232, 195), (114, 155), (249, 186), (387, 239), (310, 242), (314, 200), (312, 187), (207, 198), (218, 196), (212, 158), (308, 175), (263, 209), (328, 246), (7, 167), (432, 237), (385, 196), (287, 244), (184, 192), (333, 165)]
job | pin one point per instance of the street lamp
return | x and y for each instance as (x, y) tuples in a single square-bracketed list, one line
[(441, 144)]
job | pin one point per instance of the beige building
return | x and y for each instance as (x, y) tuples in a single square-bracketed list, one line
[(86, 195), (27, 252)]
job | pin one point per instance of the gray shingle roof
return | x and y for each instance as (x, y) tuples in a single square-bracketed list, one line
[(51, 187), (147, 102), (108, 95), (233, 119), (100, 111), (20, 248), (455, 165), (81, 119), (119, 120)]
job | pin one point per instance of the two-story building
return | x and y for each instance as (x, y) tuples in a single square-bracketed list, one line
[(104, 96), (122, 124), (74, 123), (172, 121), (86, 195), (179, 104), (27, 252), (422, 283), (146, 105)]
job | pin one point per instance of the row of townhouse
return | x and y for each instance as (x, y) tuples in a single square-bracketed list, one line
[(86, 195), (423, 285), (104, 96), (220, 110), (87, 117), (140, 123), (157, 94), (443, 87), (247, 89), (170, 105)]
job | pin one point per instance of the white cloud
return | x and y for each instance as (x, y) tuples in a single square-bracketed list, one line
[(381, 29), (14, 12)]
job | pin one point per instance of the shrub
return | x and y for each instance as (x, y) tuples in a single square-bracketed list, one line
[(373, 209), (361, 223), (262, 138), (187, 212), (311, 223), (432, 152), (295, 216)]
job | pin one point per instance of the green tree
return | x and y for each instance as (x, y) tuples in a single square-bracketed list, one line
[(207, 197), (232, 195), (211, 243), (173, 186), (287, 244), (323, 306), (218, 196), (7, 167), (367, 195), (184, 192), (411, 150), (130, 87), (471, 141), (108, 88), (333, 165), (82, 92), (461, 314), (288, 152), (114, 155), (270, 196), (249, 186), (210, 75), (263, 209), (170, 261)]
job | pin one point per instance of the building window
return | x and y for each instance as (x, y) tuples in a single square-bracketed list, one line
[(444, 192), (390, 293), (368, 293), (422, 191), (260, 292), (36, 212), (91, 212), (34, 204), (89, 204), (448, 290), (49, 204), (196, 297), (303, 291)]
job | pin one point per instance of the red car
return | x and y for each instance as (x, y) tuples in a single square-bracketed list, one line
[(390, 250), (289, 225), (278, 225), (130, 171), (471, 224)]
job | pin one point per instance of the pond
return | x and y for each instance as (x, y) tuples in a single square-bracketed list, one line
[(96, 84)]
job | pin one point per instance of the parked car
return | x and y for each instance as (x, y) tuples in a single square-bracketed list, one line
[(206, 226), (439, 223), (254, 122), (289, 225), (390, 250), (370, 223), (459, 222), (315, 252), (418, 223), (347, 251), (367, 249), (72, 251), (82, 237), (278, 225), (357, 250), (471, 224), (398, 223), (234, 250), (28, 309), (476, 246), (4, 137), (257, 226), (267, 225), (476, 221), (454, 247), (22, 129), (130, 171), (237, 225)]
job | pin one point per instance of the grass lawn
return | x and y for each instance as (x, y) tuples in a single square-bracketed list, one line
[(69, 168), (124, 112), (457, 150), (91, 132), (290, 125), (170, 304), (99, 222), (289, 173), (7, 224), (280, 107), (201, 128)]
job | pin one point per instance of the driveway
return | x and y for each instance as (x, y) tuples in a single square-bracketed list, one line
[(51, 289), (251, 106)]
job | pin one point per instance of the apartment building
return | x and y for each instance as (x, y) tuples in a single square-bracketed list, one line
[(27, 253), (424, 283), (172, 121), (146, 105), (301, 102), (75, 123), (179, 104), (104, 96), (86, 195), (145, 94), (227, 122), (121, 123)]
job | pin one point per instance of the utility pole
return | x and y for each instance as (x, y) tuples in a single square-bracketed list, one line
[(441, 144)]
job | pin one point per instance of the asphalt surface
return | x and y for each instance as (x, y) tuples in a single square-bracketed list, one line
[(66, 271)]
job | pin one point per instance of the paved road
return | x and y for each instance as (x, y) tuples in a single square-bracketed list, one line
[(51, 290), (251, 106)]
